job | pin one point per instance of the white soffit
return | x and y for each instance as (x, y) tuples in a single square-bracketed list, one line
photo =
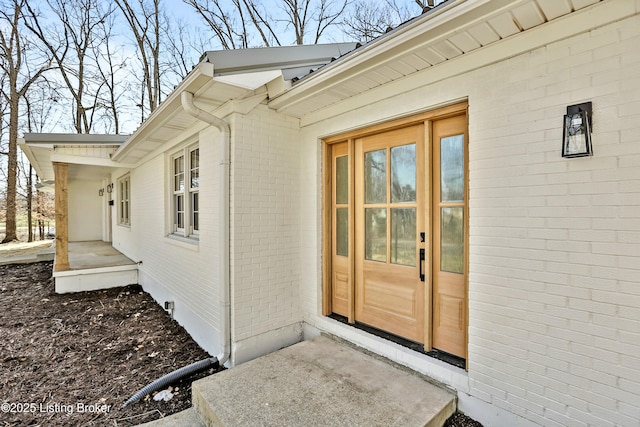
[(449, 32), (42, 148)]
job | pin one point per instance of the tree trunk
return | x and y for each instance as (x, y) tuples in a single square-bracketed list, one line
[(12, 169), (29, 203)]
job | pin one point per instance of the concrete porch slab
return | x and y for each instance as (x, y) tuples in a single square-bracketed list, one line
[(95, 265), (95, 254), (321, 382)]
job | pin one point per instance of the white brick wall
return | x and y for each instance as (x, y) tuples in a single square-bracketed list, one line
[(554, 284), (265, 221), (174, 271), (265, 237)]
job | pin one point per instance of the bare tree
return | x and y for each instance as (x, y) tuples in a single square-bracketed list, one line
[(21, 74), (319, 15), (145, 21), (252, 23), (111, 70), (70, 41), (366, 20), (229, 26), (40, 103), (183, 47)]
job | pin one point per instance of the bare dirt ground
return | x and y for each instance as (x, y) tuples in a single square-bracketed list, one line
[(74, 359)]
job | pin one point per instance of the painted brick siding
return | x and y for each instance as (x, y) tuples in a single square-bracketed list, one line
[(554, 283), (555, 243), (265, 221), (185, 273)]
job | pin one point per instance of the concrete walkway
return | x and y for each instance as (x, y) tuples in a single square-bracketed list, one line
[(26, 253), (320, 382)]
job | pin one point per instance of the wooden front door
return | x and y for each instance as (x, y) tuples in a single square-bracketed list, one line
[(397, 211), (389, 216)]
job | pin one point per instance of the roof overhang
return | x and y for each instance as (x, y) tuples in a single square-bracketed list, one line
[(170, 121), (87, 154), (455, 37)]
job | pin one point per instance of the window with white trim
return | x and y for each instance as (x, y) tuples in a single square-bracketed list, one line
[(185, 192), (124, 201)]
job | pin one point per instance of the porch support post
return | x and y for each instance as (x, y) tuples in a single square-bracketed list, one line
[(62, 217)]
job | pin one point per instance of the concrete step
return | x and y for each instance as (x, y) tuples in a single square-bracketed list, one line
[(185, 418), (321, 382)]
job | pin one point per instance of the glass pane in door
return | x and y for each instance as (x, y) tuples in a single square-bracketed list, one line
[(375, 176), (452, 240), (403, 174), (342, 180), (452, 169), (342, 231), (403, 236), (375, 234)]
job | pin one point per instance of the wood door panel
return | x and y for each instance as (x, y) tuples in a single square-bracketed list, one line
[(341, 236), (340, 293), (449, 322), (450, 236), (382, 294), (390, 295)]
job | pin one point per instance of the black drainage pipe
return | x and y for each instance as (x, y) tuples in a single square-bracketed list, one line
[(173, 377)]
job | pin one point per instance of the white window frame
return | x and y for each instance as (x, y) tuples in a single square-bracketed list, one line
[(184, 192), (124, 200)]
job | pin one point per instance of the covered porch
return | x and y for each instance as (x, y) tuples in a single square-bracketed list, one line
[(78, 169), (95, 265)]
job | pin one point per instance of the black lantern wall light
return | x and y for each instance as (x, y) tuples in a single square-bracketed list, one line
[(576, 140)]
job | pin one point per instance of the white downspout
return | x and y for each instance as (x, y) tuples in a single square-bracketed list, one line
[(224, 247)]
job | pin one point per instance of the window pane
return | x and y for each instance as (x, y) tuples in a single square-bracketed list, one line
[(403, 236), (452, 240), (375, 176), (178, 173), (342, 232), (195, 168), (196, 210), (403, 173), (452, 169), (375, 234), (179, 211), (342, 180)]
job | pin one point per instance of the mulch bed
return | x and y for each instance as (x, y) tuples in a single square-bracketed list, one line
[(74, 359), (460, 420)]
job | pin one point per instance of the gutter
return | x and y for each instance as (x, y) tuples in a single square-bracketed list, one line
[(186, 99)]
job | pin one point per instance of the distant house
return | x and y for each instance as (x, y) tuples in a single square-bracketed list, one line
[(424, 196)]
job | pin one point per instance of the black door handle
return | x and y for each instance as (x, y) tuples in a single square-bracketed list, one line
[(421, 261)]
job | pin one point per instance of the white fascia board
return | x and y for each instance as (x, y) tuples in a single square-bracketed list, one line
[(197, 78), (27, 150), (49, 140)]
